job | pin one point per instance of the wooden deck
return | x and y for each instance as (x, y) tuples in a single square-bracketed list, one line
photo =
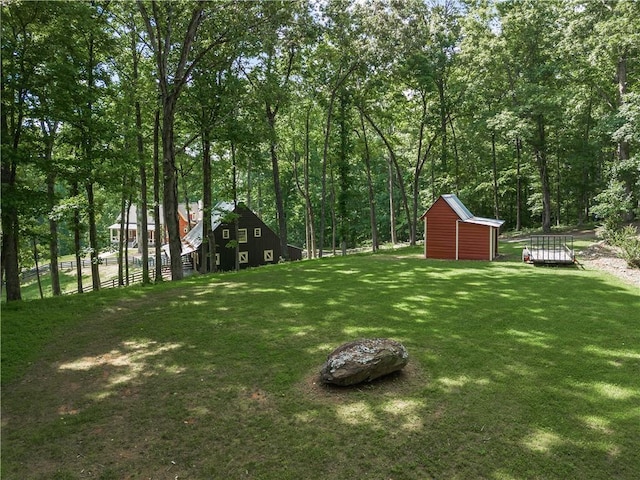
[(549, 249)]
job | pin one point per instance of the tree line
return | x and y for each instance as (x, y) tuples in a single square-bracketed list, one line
[(338, 122)]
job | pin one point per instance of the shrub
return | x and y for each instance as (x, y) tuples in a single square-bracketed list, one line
[(612, 205), (628, 241)]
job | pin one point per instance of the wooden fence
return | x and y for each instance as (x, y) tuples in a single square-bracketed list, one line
[(133, 278), (29, 275), (130, 280)]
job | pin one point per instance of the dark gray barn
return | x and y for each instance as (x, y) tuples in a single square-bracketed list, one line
[(257, 243)]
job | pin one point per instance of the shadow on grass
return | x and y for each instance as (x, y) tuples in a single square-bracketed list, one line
[(515, 372)]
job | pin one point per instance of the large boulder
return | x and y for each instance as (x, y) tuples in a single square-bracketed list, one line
[(363, 360)]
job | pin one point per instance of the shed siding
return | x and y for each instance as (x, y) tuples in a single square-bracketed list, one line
[(474, 241), (449, 236), (441, 231)]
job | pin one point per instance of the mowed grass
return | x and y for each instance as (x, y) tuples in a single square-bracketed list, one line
[(516, 372)]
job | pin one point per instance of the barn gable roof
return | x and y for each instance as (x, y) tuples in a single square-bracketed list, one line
[(464, 214)]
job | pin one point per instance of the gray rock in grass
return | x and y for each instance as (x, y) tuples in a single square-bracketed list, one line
[(363, 360)]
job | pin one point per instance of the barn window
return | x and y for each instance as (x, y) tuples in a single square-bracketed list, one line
[(225, 233), (217, 259), (243, 257), (268, 255), (257, 232), (242, 235)]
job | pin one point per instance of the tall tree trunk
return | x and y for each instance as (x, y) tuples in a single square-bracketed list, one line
[(143, 225), (143, 240), (10, 229), (303, 188), (77, 246), (53, 223), (207, 205), (124, 231), (250, 185), (583, 208), (126, 245), (332, 202), (170, 189), (372, 200), (311, 235), (540, 150), (494, 170), (35, 261), (273, 150), (558, 197), (93, 237), (157, 218), (443, 122), (518, 184), (343, 174), (187, 203), (235, 207), (325, 161), (10, 139), (456, 156), (88, 140), (392, 206)]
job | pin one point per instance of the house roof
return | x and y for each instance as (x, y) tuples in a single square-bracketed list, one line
[(193, 239), (132, 226), (194, 207), (464, 214), (133, 219)]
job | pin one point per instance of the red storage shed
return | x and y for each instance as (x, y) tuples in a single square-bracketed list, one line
[(452, 232)]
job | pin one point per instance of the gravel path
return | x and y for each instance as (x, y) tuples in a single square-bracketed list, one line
[(600, 256)]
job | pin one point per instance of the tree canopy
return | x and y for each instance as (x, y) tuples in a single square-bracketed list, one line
[(338, 122)]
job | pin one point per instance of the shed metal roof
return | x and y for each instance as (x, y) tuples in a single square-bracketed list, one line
[(457, 206), (465, 215)]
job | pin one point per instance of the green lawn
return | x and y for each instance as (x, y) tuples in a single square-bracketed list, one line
[(516, 372)]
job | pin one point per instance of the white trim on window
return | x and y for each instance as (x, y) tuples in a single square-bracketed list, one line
[(243, 257), (268, 255), (225, 233), (257, 232), (242, 235), (217, 259)]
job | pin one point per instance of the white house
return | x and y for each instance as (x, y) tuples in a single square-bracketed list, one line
[(188, 217)]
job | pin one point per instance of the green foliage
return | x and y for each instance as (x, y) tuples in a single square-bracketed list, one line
[(628, 241), (232, 244), (611, 205)]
